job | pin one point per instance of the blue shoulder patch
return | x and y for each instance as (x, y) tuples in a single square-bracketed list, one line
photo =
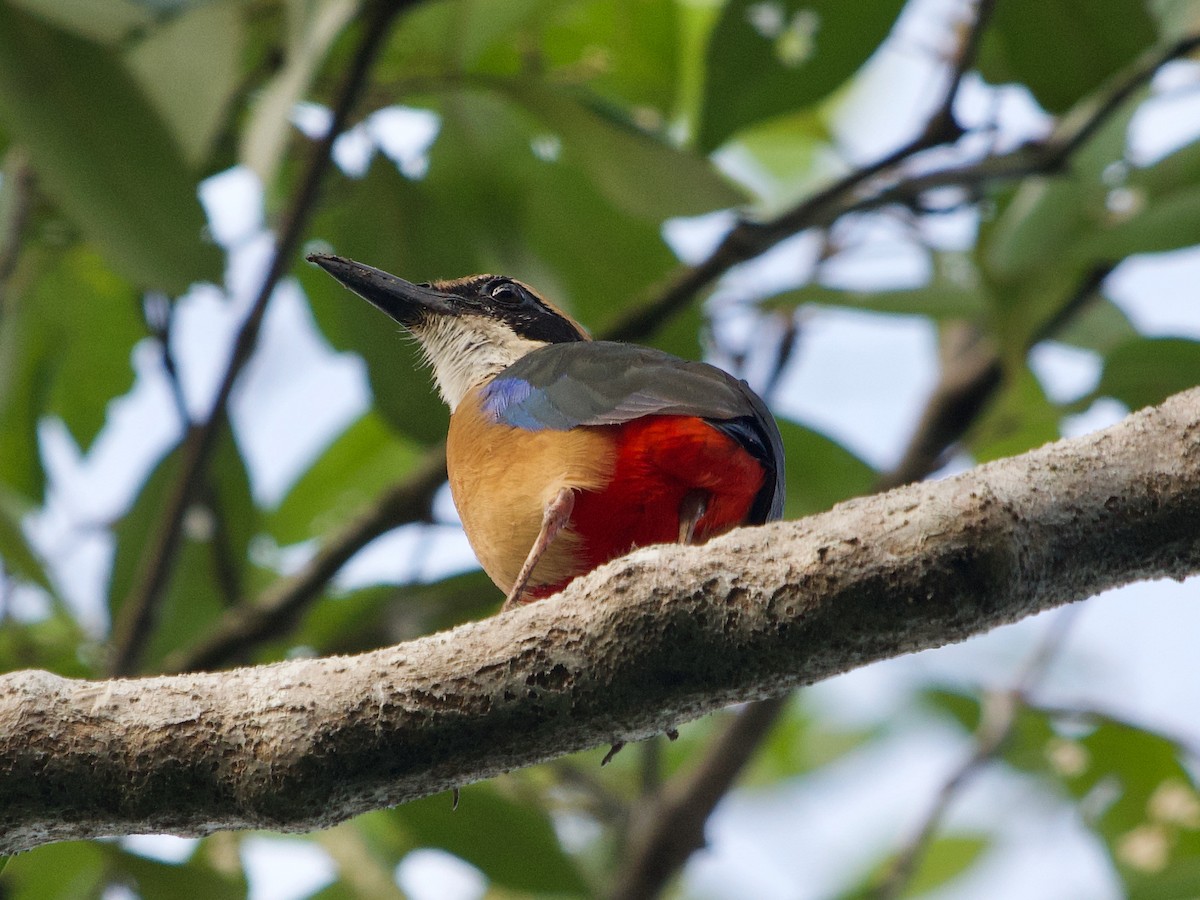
[(517, 403), (501, 393)]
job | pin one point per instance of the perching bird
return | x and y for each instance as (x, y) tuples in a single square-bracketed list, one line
[(564, 452)]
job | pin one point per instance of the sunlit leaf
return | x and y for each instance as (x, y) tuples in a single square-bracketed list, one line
[(190, 69), (789, 157), (944, 860), (769, 58), (312, 29), (102, 151), (65, 871)]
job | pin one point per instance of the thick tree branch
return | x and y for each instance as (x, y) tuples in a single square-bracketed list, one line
[(681, 631)]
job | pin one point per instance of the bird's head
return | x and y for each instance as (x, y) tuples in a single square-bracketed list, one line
[(469, 328)]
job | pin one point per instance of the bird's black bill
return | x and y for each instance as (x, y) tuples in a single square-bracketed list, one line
[(404, 301)]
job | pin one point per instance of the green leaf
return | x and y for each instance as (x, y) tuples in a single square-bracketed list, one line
[(312, 27), (367, 458), (1179, 169), (156, 880), (628, 51), (211, 568), (799, 743), (790, 157), (1146, 371), (374, 617), (487, 204), (403, 392), (1141, 798), (16, 555), (450, 38), (104, 21), (1043, 222), (1133, 788), (76, 298), (470, 833), (770, 58), (1100, 326), (820, 472), (636, 172), (103, 153), (1028, 42), (25, 376), (939, 300), (944, 860), (56, 643), (51, 361), (1019, 419), (191, 68), (75, 870), (1169, 223), (962, 708)]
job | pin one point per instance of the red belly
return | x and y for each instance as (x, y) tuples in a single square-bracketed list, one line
[(660, 459)]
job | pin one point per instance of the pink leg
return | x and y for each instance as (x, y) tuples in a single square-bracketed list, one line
[(556, 515)]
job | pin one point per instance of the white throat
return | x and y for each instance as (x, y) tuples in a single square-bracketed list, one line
[(466, 350)]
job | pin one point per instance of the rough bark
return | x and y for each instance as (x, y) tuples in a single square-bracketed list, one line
[(655, 639)]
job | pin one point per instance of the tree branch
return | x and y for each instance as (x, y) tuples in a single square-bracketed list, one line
[(662, 636), (137, 610)]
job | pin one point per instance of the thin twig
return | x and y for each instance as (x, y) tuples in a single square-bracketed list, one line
[(282, 604), (1040, 157), (158, 312), (999, 716), (658, 852), (138, 608)]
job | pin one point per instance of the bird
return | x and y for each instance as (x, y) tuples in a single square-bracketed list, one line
[(565, 452)]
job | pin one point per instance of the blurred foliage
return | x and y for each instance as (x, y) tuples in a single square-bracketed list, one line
[(567, 134)]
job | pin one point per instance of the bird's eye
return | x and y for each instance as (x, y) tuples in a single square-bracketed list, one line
[(507, 293)]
